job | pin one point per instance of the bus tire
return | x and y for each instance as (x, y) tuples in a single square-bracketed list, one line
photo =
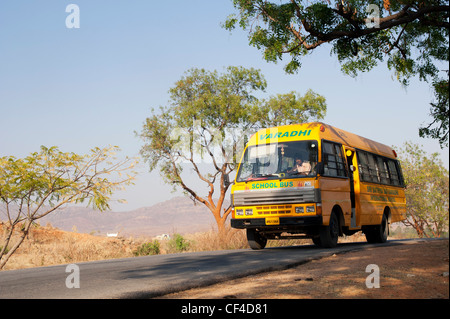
[(379, 233), (328, 236), (255, 239), (316, 240)]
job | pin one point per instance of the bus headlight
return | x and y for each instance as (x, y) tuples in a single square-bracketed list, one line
[(299, 210), (310, 209), (248, 212), (239, 212)]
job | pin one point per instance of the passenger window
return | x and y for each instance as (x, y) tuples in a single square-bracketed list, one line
[(373, 171), (393, 172), (382, 170), (377, 169), (363, 166)]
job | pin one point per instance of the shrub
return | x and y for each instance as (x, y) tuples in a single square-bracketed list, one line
[(178, 243), (150, 248)]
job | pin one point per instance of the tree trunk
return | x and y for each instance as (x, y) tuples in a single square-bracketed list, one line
[(22, 237), (220, 220)]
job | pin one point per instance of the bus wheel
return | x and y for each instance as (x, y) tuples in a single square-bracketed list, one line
[(329, 234), (378, 233), (255, 239), (316, 240)]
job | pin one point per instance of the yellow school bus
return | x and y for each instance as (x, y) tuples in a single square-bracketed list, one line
[(316, 181)]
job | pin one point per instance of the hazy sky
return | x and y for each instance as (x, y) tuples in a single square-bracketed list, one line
[(95, 85)]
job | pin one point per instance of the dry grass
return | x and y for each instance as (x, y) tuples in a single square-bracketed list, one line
[(213, 240), (47, 246)]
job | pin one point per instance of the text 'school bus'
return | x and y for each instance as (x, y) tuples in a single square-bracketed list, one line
[(316, 181)]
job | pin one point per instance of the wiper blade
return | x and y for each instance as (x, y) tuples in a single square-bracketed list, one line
[(271, 175), (260, 177), (251, 178), (302, 173)]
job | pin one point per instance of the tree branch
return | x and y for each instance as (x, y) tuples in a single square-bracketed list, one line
[(402, 17)]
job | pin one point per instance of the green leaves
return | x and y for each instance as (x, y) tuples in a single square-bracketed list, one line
[(427, 190), (214, 98), (52, 178), (439, 128), (35, 186), (291, 108), (412, 36), (205, 106), (277, 28), (207, 120), (149, 248)]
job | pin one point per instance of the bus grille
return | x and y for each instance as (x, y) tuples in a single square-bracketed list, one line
[(278, 210), (275, 197)]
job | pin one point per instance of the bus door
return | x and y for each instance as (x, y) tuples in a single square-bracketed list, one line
[(354, 185)]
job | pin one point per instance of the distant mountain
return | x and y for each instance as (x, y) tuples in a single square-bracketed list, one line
[(177, 215)]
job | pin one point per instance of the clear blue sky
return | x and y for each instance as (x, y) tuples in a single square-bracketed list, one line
[(94, 86)]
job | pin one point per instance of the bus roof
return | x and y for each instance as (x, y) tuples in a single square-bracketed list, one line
[(318, 131)]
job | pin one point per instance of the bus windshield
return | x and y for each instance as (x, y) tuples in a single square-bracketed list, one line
[(278, 160)]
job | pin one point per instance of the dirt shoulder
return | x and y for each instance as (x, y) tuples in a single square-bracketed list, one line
[(413, 271)]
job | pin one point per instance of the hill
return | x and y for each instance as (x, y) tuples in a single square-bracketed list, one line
[(178, 214)]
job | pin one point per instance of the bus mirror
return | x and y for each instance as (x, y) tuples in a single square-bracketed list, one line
[(320, 169)]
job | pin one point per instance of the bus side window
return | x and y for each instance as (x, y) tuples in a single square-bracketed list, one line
[(383, 170), (393, 173), (377, 169), (363, 166), (400, 174), (373, 171)]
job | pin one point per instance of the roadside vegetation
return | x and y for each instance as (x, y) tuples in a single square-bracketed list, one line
[(39, 184)]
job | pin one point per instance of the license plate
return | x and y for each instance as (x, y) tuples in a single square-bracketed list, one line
[(272, 221)]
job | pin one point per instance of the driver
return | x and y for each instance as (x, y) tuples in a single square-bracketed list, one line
[(300, 167)]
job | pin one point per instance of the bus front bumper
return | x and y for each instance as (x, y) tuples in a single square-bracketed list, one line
[(283, 222)]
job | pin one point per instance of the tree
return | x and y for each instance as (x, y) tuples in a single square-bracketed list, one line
[(438, 128), (413, 35), (427, 191), (206, 122), (39, 184)]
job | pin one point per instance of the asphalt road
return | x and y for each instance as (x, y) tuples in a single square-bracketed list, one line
[(149, 276)]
